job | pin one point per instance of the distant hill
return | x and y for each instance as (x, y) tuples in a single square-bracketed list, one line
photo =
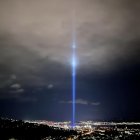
[(21, 130)]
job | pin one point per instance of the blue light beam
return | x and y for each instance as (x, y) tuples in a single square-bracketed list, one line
[(73, 65), (73, 83)]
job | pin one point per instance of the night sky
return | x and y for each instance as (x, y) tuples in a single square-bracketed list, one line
[(35, 59)]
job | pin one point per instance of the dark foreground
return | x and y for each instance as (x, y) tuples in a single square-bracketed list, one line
[(19, 130)]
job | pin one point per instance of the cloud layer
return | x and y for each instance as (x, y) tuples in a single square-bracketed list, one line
[(104, 37), (36, 38), (81, 102)]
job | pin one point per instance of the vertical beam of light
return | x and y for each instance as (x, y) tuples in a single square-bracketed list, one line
[(73, 83), (73, 64)]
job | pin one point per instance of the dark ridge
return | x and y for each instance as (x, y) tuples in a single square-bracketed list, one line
[(21, 130)]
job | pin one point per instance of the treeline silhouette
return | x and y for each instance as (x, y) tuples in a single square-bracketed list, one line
[(21, 130)]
